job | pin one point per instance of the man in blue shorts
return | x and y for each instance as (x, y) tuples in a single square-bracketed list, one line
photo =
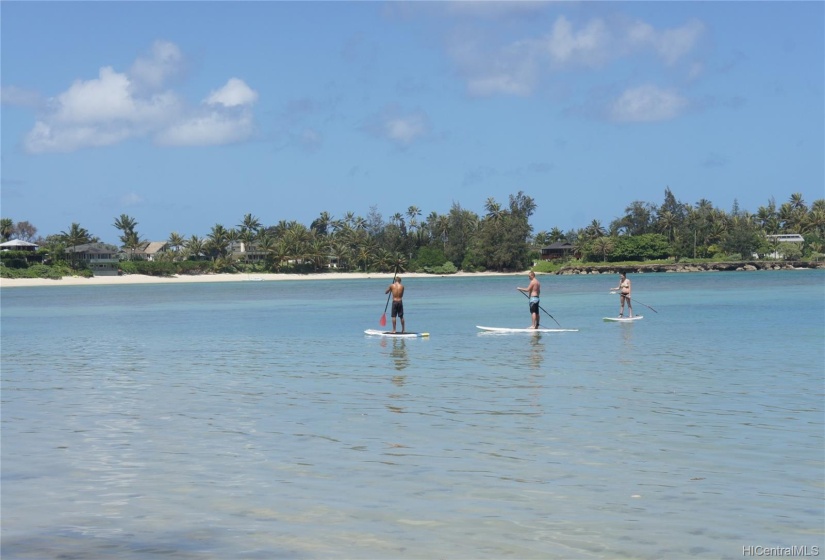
[(397, 304), (533, 291)]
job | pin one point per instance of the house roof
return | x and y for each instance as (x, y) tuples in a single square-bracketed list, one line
[(152, 247), (92, 248), (558, 245), (17, 243)]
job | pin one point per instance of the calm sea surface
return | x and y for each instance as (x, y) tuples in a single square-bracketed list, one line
[(256, 420)]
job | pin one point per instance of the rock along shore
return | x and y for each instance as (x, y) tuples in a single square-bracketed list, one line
[(691, 267)]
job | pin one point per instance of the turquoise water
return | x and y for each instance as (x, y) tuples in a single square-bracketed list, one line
[(255, 420)]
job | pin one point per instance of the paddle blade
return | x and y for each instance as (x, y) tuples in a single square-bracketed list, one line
[(383, 321)]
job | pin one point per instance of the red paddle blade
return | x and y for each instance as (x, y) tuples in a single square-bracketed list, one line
[(383, 320)]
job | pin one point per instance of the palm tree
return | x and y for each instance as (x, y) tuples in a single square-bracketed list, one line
[(595, 230), (217, 242), (175, 241), (816, 221), (322, 223), (667, 224), (74, 237), (493, 209), (412, 213), (132, 242), (603, 245), (555, 235), (125, 223), (317, 252), (797, 203), (580, 243), (6, 228), (442, 229), (194, 247), (365, 255), (250, 223), (129, 237)]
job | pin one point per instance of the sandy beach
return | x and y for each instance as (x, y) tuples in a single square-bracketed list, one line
[(254, 277)]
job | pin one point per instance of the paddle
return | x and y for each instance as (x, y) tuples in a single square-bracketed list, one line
[(383, 321), (636, 301), (543, 309)]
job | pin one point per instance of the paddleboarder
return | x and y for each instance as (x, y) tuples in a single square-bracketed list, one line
[(533, 291), (624, 294), (397, 290)]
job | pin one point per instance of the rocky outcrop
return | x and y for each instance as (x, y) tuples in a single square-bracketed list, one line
[(690, 267)]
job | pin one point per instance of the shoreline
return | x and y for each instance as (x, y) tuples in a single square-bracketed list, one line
[(280, 277), (131, 279)]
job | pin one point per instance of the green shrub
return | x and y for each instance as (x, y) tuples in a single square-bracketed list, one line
[(446, 268), (546, 266)]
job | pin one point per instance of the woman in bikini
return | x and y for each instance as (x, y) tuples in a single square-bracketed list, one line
[(624, 294)]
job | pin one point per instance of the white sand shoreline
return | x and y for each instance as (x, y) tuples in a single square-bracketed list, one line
[(252, 277)]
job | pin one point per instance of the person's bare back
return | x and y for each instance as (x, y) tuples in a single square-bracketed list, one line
[(397, 290)]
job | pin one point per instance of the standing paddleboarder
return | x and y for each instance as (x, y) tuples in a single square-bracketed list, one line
[(533, 291), (397, 290), (624, 294)]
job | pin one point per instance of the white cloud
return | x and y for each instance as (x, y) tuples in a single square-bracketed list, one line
[(114, 107), (588, 46), (165, 61), (131, 199), (405, 129), (234, 93), (669, 44), (108, 99), (509, 70), (520, 67), (398, 127), (647, 104), (45, 137), (208, 129)]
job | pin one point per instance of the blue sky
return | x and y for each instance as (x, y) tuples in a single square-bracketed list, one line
[(184, 115)]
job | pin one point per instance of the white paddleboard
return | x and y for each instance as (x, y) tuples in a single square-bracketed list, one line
[(374, 332), (623, 319), (527, 330)]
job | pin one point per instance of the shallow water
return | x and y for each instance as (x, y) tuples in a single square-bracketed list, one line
[(255, 420)]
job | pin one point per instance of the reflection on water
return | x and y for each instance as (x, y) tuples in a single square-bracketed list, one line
[(399, 354), (536, 352)]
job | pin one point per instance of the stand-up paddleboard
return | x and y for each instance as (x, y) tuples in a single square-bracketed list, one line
[(375, 332), (623, 319), (527, 330)]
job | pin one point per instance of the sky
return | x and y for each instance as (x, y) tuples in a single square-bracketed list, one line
[(184, 115)]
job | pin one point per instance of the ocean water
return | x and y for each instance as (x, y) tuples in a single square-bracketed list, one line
[(256, 420)]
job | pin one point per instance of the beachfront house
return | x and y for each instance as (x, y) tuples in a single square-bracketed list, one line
[(777, 239), (18, 245), (557, 250), (247, 253), (101, 259), (148, 250)]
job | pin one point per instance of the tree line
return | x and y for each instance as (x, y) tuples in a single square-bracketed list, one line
[(500, 239)]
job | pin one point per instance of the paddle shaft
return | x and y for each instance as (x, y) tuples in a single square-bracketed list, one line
[(543, 309), (639, 302), (383, 320)]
